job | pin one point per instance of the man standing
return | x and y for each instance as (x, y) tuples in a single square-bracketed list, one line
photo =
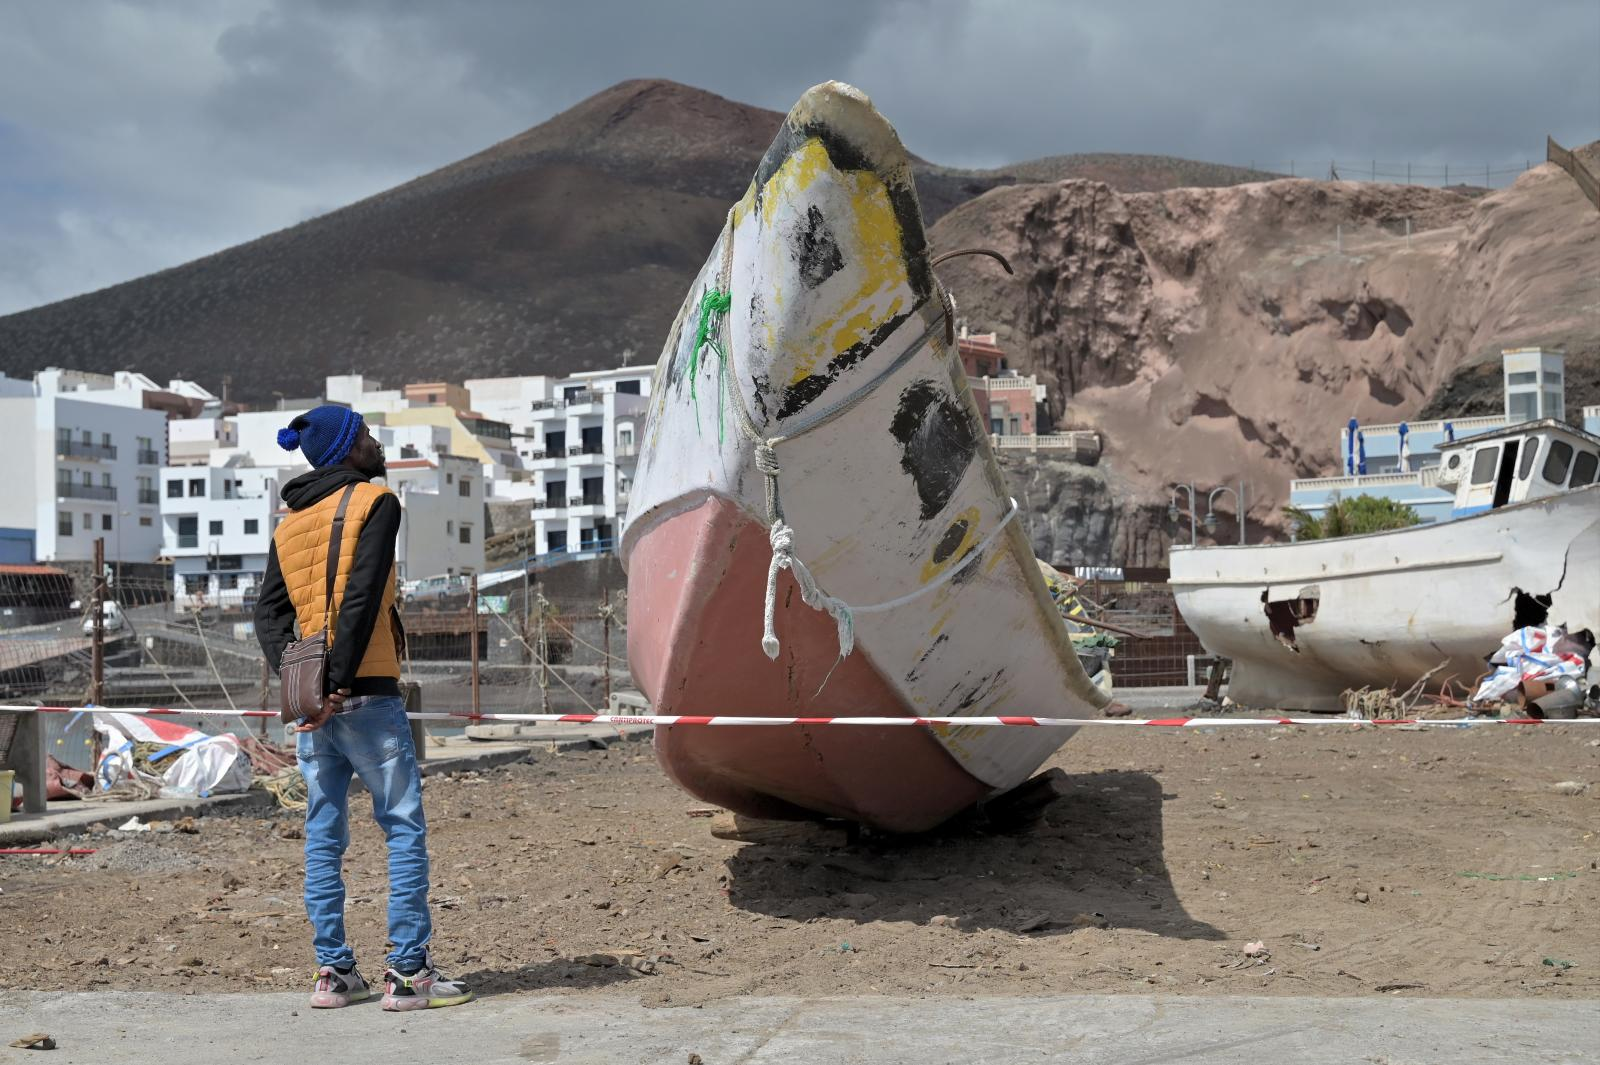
[(360, 728)]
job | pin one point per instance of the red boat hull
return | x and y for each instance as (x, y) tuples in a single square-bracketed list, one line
[(696, 587)]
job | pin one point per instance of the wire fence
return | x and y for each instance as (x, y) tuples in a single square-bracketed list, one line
[(159, 645), (1487, 175)]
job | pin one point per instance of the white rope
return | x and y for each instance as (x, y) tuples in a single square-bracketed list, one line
[(779, 532)]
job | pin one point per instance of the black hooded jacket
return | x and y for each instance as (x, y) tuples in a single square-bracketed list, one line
[(363, 595)]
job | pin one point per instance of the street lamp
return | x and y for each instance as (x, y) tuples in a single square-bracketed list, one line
[(1173, 512), (1211, 514)]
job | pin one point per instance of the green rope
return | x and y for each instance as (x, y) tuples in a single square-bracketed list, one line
[(713, 305)]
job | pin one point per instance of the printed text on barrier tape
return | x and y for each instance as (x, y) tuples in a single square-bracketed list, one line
[(869, 722)]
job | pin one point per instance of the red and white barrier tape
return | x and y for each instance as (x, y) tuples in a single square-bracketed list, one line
[(925, 722)]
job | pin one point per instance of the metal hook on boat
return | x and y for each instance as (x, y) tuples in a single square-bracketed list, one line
[(996, 256)]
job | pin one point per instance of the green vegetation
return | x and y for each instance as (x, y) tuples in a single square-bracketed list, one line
[(1352, 517)]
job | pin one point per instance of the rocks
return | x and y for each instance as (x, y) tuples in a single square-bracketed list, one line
[(1569, 787), (1362, 896)]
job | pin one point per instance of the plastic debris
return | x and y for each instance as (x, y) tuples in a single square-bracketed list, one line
[(1554, 963), (1518, 876), (1256, 949), (1570, 787), (133, 824), (1544, 656)]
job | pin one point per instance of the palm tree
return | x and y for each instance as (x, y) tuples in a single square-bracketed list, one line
[(1352, 517)]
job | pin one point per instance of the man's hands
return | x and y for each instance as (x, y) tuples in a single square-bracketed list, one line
[(331, 705)]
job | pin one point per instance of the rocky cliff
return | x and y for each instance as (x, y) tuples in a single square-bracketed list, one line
[(1219, 334)]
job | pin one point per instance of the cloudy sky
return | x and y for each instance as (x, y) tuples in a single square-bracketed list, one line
[(139, 134)]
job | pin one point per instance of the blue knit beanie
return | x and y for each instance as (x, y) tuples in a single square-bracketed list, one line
[(324, 434)]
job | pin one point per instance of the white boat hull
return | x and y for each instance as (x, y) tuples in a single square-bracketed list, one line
[(1390, 607)]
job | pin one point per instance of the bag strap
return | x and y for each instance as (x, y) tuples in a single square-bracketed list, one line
[(335, 538)]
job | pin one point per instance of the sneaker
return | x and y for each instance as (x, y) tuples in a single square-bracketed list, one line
[(336, 988), (427, 988)]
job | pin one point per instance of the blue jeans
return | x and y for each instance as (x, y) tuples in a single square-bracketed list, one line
[(371, 739)]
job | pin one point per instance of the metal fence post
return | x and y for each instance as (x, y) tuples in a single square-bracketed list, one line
[(411, 694), (27, 761), (605, 663), (473, 593), (97, 690)]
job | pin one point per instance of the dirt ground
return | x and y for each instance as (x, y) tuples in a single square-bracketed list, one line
[(1428, 863)]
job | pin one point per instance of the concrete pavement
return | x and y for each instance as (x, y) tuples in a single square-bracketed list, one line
[(613, 1029)]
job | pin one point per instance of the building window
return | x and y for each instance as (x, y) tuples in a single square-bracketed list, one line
[(105, 480), (628, 388), (105, 522), (189, 531), (555, 541), (146, 521), (251, 526), (449, 478), (174, 489), (88, 522), (88, 437), (64, 523), (216, 528), (449, 527), (197, 486), (466, 486), (105, 440), (466, 534)]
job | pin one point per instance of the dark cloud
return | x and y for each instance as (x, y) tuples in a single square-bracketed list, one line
[(136, 135)]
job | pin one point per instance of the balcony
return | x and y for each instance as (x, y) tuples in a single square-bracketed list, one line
[(149, 457), (68, 490), (78, 449), (149, 497), (626, 451)]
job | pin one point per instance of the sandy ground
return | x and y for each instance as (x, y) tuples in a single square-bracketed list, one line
[(1437, 863)]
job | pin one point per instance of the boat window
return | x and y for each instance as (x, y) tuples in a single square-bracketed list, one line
[(1484, 463), (1556, 462), (1583, 468), (1530, 451)]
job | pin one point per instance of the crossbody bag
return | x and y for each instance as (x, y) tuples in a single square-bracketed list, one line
[(303, 671)]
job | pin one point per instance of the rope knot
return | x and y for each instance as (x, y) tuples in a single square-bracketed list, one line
[(767, 459)]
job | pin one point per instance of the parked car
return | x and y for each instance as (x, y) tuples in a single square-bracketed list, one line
[(111, 618), (427, 589)]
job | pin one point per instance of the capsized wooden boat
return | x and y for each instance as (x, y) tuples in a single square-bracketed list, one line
[(810, 406), (1305, 622)]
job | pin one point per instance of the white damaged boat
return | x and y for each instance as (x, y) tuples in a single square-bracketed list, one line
[(1305, 622)]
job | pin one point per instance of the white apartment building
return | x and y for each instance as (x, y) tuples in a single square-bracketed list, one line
[(216, 524), (79, 469), (442, 526), (192, 441), (579, 438)]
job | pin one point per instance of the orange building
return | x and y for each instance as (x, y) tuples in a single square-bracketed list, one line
[(1009, 402)]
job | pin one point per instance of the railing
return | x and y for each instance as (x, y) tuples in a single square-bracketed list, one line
[(188, 540), (77, 449), (1360, 480), (1461, 426), (1574, 166), (584, 549), (1052, 441), (1002, 384), (149, 457), (149, 497), (69, 490), (626, 451), (586, 501)]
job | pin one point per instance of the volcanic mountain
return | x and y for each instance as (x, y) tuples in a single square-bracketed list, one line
[(557, 250)]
